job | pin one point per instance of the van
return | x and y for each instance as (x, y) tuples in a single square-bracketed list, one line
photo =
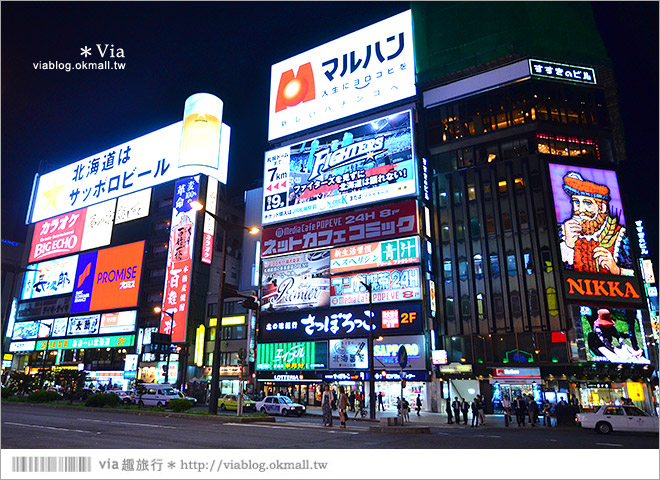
[(156, 394)]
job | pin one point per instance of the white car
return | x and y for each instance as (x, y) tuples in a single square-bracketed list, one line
[(624, 418), (280, 405)]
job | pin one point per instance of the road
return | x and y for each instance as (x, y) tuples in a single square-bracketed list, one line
[(44, 427)]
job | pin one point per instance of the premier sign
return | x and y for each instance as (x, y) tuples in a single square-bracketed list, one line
[(360, 71)]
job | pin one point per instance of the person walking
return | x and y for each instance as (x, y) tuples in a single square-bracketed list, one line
[(418, 404), (545, 411), (351, 400), (448, 410), (506, 406), (456, 405), (326, 406), (520, 409), (475, 413), (465, 407), (380, 402), (343, 406), (533, 410), (405, 410), (481, 407)]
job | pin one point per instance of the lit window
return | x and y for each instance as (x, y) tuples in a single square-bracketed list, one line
[(502, 186)]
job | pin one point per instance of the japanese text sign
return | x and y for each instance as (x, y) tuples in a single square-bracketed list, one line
[(385, 221), (391, 285), (348, 353), (385, 351), (560, 71), (179, 260), (360, 71), (368, 163), (292, 356), (375, 255), (52, 277)]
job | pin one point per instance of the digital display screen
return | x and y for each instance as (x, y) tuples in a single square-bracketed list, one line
[(390, 285), (292, 356)]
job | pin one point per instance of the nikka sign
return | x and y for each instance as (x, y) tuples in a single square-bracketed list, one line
[(604, 289)]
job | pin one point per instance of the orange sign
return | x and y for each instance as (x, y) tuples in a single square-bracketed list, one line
[(117, 277)]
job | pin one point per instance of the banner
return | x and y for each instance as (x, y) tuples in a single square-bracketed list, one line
[(292, 356), (370, 224), (296, 282), (52, 277), (368, 163), (179, 260), (375, 255), (385, 352), (391, 285), (133, 206), (348, 353)]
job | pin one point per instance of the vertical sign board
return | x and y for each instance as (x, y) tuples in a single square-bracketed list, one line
[(179, 260), (209, 222), (367, 163), (375, 255)]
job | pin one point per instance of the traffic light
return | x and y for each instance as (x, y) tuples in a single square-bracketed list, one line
[(403, 383), (164, 367)]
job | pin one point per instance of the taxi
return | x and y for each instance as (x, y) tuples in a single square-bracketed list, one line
[(230, 402), (279, 405), (617, 418)]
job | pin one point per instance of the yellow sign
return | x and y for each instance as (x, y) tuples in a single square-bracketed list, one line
[(635, 391), (213, 322), (8, 356), (237, 320), (199, 345)]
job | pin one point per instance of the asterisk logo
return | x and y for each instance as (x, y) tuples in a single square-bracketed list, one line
[(86, 51)]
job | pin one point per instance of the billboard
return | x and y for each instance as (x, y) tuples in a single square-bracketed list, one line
[(53, 327), (344, 322), (377, 223), (25, 330), (40, 308), (385, 351), (179, 260), (295, 282), (88, 342), (108, 279), (83, 325), (209, 222), (592, 227), (360, 71), (52, 277), (133, 206), (118, 322), (348, 353), (391, 285), (368, 163), (292, 356), (612, 335), (375, 255), (138, 164)]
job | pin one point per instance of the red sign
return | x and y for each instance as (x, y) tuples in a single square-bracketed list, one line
[(57, 236), (601, 288), (207, 248), (386, 221), (117, 277)]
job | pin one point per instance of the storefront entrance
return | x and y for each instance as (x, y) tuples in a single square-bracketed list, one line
[(392, 391)]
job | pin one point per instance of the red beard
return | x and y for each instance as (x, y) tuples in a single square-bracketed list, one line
[(589, 227)]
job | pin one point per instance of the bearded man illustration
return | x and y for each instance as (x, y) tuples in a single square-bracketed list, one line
[(593, 240)]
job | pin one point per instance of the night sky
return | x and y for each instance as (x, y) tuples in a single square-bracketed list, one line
[(51, 118)]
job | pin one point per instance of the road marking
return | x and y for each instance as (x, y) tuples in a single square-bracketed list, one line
[(283, 427), (550, 439), (494, 436), (610, 444), (127, 423), (51, 428)]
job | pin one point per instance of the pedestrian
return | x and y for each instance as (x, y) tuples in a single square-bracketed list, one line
[(520, 409), (405, 410), (334, 399), (506, 406), (475, 413), (398, 405), (351, 400), (545, 410), (533, 410), (456, 405), (481, 407), (380, 402), (465, 407), (448, 410), (418, 404), (343, 406), (326, 406)]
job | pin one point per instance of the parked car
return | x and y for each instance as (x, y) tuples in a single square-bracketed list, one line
[(193, 400), (612, 418), (230, 402), (124, 396), (157, 394), (279, 405), (83, 394)]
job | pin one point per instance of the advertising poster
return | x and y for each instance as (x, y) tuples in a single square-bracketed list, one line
[(179, 260), (118, 322), (385, 352), (292, 356), (99, 221), (53, 327), (364, 225), (348, 353), (296, 282), (592, 227), (84, 325), (108, 279), (364, 164), (391, 285), (25, 330), (52, 277), (375, 255), (209, 222), (40, 308), (346, 322), (365, 69), (612, 335), (57, 236), (87, 342), (133, 206)]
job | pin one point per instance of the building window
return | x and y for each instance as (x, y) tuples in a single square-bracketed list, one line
[(460, 231), (475, 228), (516, 306), (478, 266), (540, 217), (524, 220), (444, 231), (480, 306), (506, 221), (447, 270), (546, 258), (501, 185), (472, 193), (494, 266), (498, 305), (449, 307), (442, 201), (533, 301), (519, 183), (529, 263), (511, 265), (490, 224), (462, 269), (551, 296), (465, 306)]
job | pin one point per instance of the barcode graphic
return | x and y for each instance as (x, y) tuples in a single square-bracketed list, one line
[(51, 464)]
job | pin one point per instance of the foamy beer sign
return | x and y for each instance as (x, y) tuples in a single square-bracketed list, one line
[(202, 126)]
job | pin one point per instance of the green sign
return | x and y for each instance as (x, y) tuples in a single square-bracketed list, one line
[(89, 342), (292, 356)]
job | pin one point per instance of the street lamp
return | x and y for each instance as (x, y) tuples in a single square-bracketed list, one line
[(217, 348), (169, 347), (43, 364), (370, 355)]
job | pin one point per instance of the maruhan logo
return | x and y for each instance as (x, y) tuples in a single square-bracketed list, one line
[(294, 89)]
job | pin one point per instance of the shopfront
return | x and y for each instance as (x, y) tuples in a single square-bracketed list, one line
[(593, 394), (511, 382), (301, 388), (390, 386)]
